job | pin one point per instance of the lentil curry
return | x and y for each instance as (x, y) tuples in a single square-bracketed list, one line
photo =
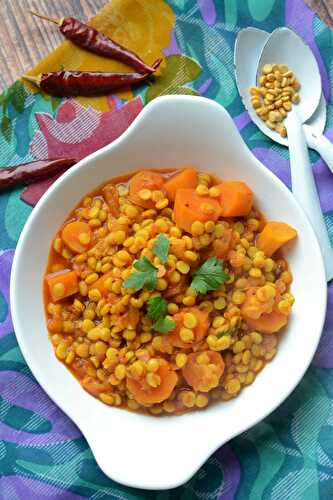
[(167, 291)]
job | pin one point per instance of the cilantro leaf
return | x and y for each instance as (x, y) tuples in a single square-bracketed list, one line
[(209, 276), (161, 247), (144, 265), (145, 277), (157, 308), (164, 325)]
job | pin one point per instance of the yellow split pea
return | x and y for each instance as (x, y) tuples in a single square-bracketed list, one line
[(274, 98), (199, 346)]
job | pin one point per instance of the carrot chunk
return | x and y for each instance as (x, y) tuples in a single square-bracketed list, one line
[(187, 178), (77, 236), (268, 322), (62, 284), (199, 328), (253, 308), (146, 179), (203, 370), (263, 317), (274, 236), (236, 199), (100, 283), (145, 393), (190, 207)]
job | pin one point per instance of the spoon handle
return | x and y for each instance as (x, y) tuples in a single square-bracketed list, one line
[(304, 187), (321, 144)]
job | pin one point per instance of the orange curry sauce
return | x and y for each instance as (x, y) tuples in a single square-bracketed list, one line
[(198, 347)]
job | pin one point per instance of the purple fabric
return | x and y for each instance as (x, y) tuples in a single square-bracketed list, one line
[(280, 167), (324, 355), (242, 120), (205, 86), (272, 160), (22, 390), (24, 488), (6, 259), (208, 12), (231, 470), (299, 17), (19, 390), (173, 47)]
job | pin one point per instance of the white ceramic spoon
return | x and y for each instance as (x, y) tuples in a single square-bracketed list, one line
[(288, 48), (248, 47)]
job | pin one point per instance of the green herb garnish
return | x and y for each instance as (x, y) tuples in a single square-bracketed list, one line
[(209, 276), (161, 247), (164, 325), (145, 277), (157, 308)]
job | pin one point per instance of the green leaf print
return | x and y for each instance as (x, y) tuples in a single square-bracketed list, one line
[(6, 128), (260, 10), (55, 102), (271, 457), (178, 71), (23, 419), (3, 308), (212, 48), (17, 95), (289, 455), (16, 214), (230, 12), (184, 91)]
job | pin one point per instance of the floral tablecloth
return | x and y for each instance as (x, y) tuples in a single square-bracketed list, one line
[(42, 453)]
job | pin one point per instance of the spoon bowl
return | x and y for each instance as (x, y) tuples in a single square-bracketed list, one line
[(248, 48), (285, 47)]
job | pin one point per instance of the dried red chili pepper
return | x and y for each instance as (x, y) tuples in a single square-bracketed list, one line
[(85, 83), (92, 40), (28, 173)]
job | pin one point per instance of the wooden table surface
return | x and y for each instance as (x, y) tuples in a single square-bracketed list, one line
[(24, 40)]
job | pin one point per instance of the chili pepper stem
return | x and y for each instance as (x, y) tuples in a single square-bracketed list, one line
[(33, 79), (47, 18)]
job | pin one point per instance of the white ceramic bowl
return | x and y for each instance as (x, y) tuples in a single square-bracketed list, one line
[(142, 451)]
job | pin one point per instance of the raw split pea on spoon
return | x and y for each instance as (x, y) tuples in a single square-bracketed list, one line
[(274, 98)]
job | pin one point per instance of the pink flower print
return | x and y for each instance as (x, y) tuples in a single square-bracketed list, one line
[(76, 132)]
